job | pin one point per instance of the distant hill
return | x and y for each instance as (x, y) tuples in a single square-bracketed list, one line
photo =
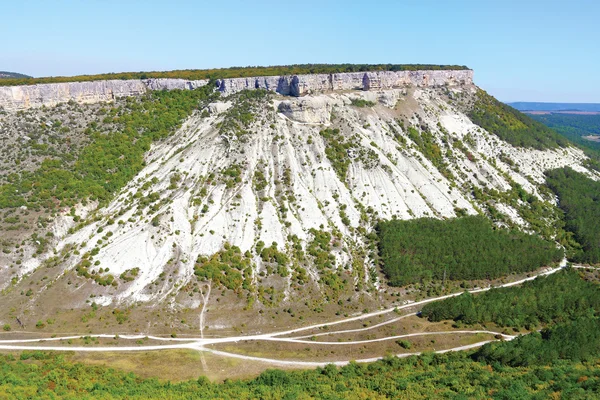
[(533, 106), (12, 75)]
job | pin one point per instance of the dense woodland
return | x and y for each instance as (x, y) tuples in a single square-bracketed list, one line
[(429, 376), (579, 198), (561, 296), (237, 72), (576, 340), (511, 125), (111, 159), (458, 249)]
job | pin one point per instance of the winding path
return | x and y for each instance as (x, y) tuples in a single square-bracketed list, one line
[(200, 343)]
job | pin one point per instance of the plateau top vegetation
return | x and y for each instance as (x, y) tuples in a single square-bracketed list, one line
[(232, 72)]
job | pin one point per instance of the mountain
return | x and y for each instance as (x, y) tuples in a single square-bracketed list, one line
[(12, 75), (256, 199)]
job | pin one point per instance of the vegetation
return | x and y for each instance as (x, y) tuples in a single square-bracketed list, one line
[(579, 198), (111, 159), (561, 296), (237, 72), (362, 103), (272, 255), (341, 150), (512, 126), (458, 249), (577, 340), (239, 117), (228, 267), (425, 142), (320, 249), (561, 361), (573, 126), (454, 375), (232, 175)]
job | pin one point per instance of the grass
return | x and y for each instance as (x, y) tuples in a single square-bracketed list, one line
[(173, 365), (315, 352)]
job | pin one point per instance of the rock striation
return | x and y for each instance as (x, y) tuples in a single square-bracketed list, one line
[(22, 97)]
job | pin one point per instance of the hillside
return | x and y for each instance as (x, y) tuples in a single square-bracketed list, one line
[(256, 201), (13, 75)]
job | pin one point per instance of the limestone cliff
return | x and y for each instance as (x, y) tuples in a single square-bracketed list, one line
[(22, 97)]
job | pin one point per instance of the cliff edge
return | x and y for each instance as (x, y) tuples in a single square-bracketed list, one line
[(13, 98)]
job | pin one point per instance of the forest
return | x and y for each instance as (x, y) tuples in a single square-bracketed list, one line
[(237, 72), (576, 340), (453, 375), (562, 296), (579, 199), (464, 248), (511, 125)]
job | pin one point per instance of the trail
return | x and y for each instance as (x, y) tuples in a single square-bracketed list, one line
[(200, 343), (383, 339), (391, 321), (205, 299), (312, 364), (422, 302)]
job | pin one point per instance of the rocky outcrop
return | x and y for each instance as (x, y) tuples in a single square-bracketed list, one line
[(170, 84), (308, 110), (23, 97), (298, 85), (51, 94)]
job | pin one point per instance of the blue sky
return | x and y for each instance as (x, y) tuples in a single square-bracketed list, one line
[(528, 50)]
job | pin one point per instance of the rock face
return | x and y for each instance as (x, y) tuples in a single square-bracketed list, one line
[(22, 97), (51, 94), (308, 110), (170, 84), (298, 85)]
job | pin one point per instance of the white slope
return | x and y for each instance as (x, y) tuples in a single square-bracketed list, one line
[(200, 213)]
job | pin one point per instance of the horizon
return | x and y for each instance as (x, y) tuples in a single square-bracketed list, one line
[(519, 52)]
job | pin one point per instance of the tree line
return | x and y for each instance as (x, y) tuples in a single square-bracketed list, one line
[(43, 375), (236, 72)]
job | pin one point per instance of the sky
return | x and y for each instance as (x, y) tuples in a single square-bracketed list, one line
[(526, 50)]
